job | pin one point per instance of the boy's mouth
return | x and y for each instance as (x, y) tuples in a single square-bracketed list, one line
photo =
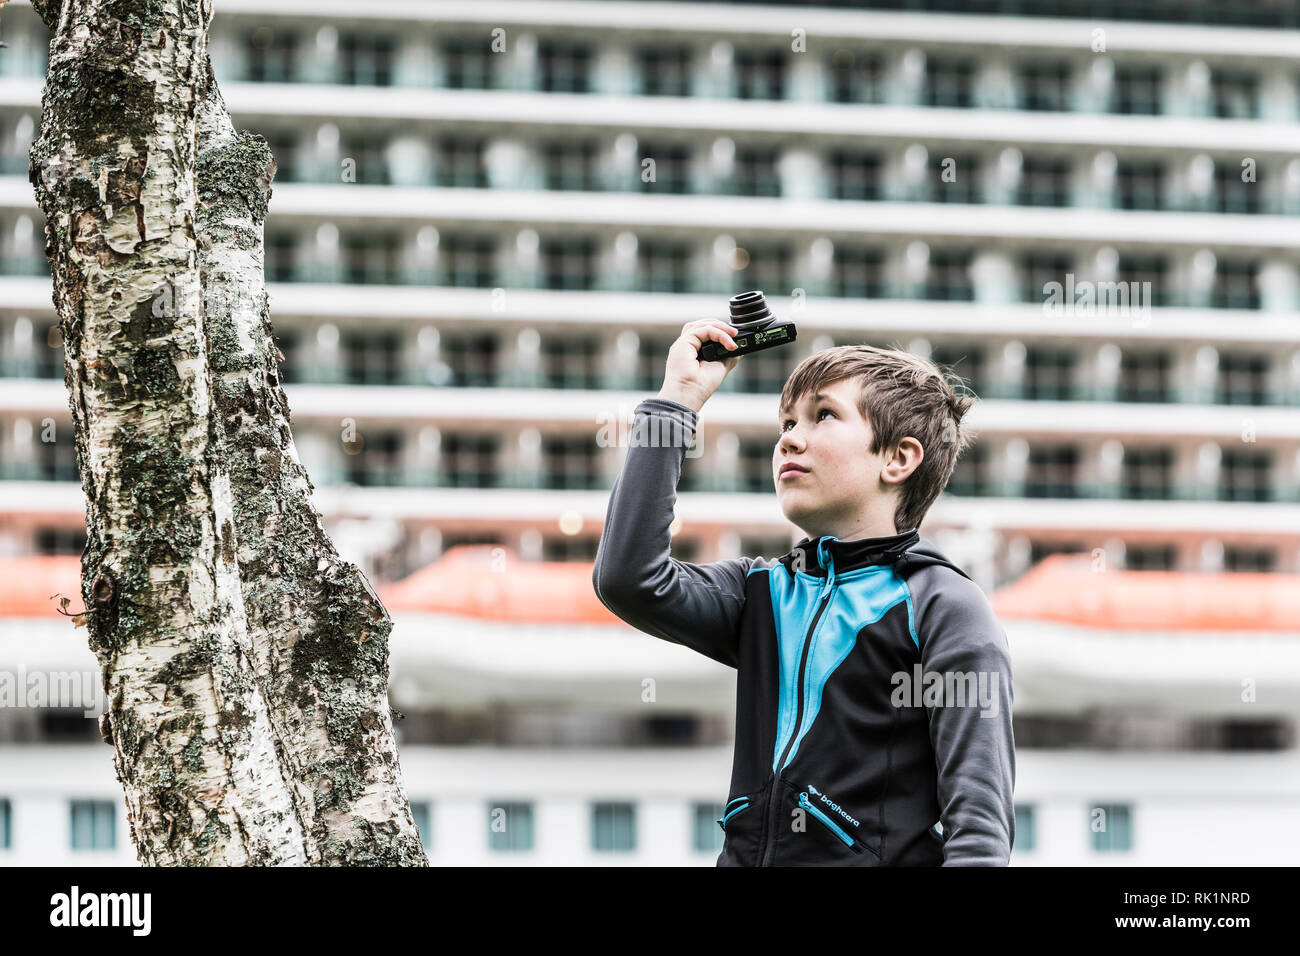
[(791, 471)]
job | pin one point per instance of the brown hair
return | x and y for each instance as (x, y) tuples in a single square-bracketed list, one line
[(901, 395)]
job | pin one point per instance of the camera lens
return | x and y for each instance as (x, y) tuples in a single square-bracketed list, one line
[(749, 311)]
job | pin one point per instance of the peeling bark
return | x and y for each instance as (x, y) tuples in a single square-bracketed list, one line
[(245, 663)]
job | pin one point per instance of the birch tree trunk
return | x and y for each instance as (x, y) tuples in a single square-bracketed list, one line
[(245, 663)]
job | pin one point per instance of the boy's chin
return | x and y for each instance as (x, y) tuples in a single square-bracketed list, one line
[(797, 516)]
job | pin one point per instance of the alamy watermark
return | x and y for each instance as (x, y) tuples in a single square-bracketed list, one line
[(130, 910), (54, 689), (946, 689), (1087, 298), (662, 429)]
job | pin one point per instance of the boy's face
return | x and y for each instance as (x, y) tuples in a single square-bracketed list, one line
[(841, 485)]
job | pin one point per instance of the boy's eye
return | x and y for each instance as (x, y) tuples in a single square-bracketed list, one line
[(790, 421)]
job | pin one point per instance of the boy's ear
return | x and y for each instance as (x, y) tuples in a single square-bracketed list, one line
[(902, 460)]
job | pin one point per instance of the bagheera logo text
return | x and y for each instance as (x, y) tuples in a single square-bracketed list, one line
[(832, 804)]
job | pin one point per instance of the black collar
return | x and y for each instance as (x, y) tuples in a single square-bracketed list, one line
[(849, 555)]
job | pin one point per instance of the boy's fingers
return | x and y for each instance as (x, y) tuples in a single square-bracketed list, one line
[(717, 333), (701, 324)]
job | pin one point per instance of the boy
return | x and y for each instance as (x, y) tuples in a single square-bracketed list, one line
[(873, 700)]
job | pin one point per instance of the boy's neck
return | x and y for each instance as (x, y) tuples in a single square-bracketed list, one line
[(861, 530)]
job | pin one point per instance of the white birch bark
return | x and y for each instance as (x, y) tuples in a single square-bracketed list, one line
[(318, 631), (246, 665)]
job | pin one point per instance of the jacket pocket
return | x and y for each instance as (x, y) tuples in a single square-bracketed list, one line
[(742, 821), (825, 820), (735, 807)]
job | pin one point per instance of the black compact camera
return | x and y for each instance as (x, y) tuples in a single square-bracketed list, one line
[(756, 329)]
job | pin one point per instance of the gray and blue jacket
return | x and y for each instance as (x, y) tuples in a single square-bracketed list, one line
[(874, 681)]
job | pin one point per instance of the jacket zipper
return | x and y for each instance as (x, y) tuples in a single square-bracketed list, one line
[(830, 824), (768, 844)]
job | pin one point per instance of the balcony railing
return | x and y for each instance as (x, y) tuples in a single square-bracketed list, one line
[(462, 171), (586, 473), (1138, 90)]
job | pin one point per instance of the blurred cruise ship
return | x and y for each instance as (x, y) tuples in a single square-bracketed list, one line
[(490, 221)]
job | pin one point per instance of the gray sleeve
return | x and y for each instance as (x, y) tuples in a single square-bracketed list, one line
[(971, 732), (634, 576)]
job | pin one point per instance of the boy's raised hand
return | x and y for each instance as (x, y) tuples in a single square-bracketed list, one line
[(687, 380)]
